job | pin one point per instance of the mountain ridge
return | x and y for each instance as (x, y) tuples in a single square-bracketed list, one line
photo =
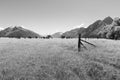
[(93, 30), (18, 32), (73, 33)]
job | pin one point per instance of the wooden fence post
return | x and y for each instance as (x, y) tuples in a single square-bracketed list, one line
[(79, 42)]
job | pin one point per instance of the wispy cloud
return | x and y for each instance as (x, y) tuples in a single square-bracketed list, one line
[(81, 25), (78, 26), (1, 28)]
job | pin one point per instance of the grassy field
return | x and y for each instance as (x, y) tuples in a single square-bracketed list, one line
[(58, 59)]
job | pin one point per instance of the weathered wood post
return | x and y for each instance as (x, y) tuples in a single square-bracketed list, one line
[(79, 42)]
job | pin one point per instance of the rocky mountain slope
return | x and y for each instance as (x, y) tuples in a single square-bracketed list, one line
[(73, 33), (57, 35), (92, 30), (18, 32), (111, 31)]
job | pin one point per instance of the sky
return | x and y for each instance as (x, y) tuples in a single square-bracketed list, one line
[(50, 16)]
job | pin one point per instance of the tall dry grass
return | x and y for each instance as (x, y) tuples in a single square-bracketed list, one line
[(58, 59)]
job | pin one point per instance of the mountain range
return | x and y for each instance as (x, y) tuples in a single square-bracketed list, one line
[(73, 33), (99, 29), (57, 35), (18, 32), (106, 28), (92, 30)]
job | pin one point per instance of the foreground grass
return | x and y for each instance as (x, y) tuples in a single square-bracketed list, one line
[(57, 59)]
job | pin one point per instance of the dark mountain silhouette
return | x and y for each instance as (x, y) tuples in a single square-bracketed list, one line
[(108, 20), (57, 35), (18, 32), (92, 30), (106, 28), (88, 31), (73, 33), (111, 31)]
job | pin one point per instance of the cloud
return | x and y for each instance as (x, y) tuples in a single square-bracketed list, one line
[(78, 26), (81, 25), (1, 28)]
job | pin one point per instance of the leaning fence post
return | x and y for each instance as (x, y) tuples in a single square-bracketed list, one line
[(79, 42)]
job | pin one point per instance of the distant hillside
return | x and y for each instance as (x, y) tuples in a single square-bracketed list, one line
[(111, 31), (57, 35), (73, 33), (18, 32), (107, 28), (92, 30)]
